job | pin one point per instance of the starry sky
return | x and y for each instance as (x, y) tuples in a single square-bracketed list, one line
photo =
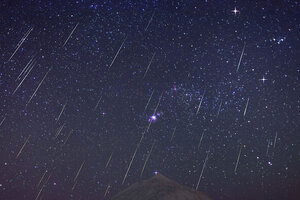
[(96, 95)]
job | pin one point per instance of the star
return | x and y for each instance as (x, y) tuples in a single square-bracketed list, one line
[(153, 118), (263, 79), (235, 11)]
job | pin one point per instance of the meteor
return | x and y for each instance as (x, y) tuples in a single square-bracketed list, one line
[(202, 171), (2, 121), (117, 52), (137, 147), (148, 156), (148, 66), (237, 69), (79, 170), (106, 191), (20, 43), (38, 86), (23, 147), (246, 107), (25, 69), (74, 185), (237, 162), (200, 103), (31, 67), (173, 134), (59, 130), (268, 146), (97, 103), (70, 34), (107, 163), (275, 140), (37, 197), (61, 112), (150, 21), (200, 139), (68, 136), (148, 101), (41, 179)]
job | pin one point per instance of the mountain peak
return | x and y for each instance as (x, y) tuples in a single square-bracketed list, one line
[(159, 187), (161, 177)]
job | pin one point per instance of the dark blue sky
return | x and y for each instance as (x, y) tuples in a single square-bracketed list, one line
[(79, 81)]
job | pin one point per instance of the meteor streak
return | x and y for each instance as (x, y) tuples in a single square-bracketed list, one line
[(74, 185), (2, 121), (61, 112), (148, 156), (117, 52), (237, 162), (59, 130), (148, 101), (200, 103), (268, 146), (106, 191), (202, 171), (23, 147), (31, 67), (38, 86), (48, 179), (173, 134), (200, 140), (41, 179), (25, 69), (68, 136), (137, 147), (70, 34), (275, 140), (97, 103), (38, 195), (237, 69), (246, 107), (107, 163), (148, 66), (20, 43), (150, 21), (79, 170)]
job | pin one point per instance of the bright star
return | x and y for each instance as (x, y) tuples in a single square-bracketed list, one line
[(153, 118), (235, 11), (263, 79)]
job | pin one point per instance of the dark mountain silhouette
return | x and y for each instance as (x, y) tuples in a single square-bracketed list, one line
[(159, 187)]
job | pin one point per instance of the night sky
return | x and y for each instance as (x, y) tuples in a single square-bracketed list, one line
[(87, 88)]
